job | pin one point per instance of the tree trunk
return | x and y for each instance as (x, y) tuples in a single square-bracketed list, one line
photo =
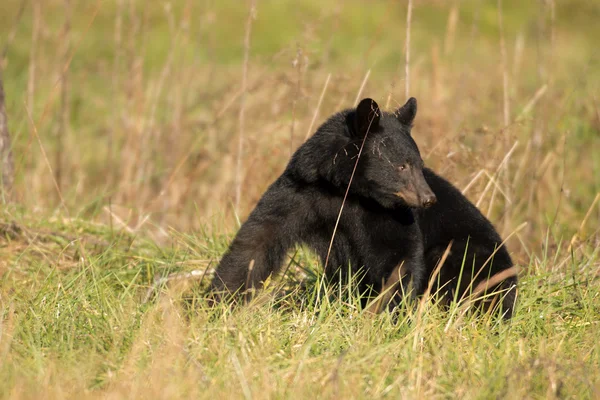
[(6, 158)]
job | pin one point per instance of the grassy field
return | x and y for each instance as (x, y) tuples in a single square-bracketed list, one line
[(126, 118)]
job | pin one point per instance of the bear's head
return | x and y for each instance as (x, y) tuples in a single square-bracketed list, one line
[(390, 166)]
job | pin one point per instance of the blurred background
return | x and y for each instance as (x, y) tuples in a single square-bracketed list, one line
[(132, 112)]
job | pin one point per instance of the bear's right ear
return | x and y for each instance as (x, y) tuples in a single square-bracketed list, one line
[(366, 117), (407, 113)]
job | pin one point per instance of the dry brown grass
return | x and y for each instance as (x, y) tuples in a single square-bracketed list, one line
[(145, 134)]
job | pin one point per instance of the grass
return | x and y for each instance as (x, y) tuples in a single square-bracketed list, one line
[(146, 131), (75, 324)]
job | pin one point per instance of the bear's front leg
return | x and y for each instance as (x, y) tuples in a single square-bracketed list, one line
[(260, 245)]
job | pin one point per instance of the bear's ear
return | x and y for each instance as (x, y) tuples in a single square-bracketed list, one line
[(366, 117), (406, 114)]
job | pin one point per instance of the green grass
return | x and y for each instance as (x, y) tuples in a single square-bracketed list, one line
[(148, 152), (74, 323)]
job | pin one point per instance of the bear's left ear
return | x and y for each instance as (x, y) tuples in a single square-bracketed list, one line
[(407, 113), (366, 117)]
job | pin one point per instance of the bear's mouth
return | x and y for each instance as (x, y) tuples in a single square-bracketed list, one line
[(417, 200), (410, 198)]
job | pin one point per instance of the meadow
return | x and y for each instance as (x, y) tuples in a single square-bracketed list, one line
[(143, 133)]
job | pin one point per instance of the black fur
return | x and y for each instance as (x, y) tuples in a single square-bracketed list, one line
[(455, 218), (377, 230)]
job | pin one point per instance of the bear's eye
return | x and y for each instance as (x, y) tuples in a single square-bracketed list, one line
[(403, 167)]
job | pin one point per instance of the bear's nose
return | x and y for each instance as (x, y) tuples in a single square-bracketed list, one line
[(429, 200)]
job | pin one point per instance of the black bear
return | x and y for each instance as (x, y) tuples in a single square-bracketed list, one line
[(357, 193), (476, 254), (350, 194)]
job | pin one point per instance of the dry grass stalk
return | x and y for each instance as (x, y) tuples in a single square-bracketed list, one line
[(496, 174), (504, 62), (64, 117), (316, 112), (495, 280), (178, 94), (425, 299), (362, 87), (434, 277), (388, 290), (6, 157), (130, 155), (533, 101), (390, 94), (116, 82), (552, 5), (577, 235), (297, 64), (466, 301), (436, 75), (362, 145), (48, 164), (480, 293), (407, 49), (506, 110), (242, 113), (518, 56), (451, 29), (35, 34), (473, 180)]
